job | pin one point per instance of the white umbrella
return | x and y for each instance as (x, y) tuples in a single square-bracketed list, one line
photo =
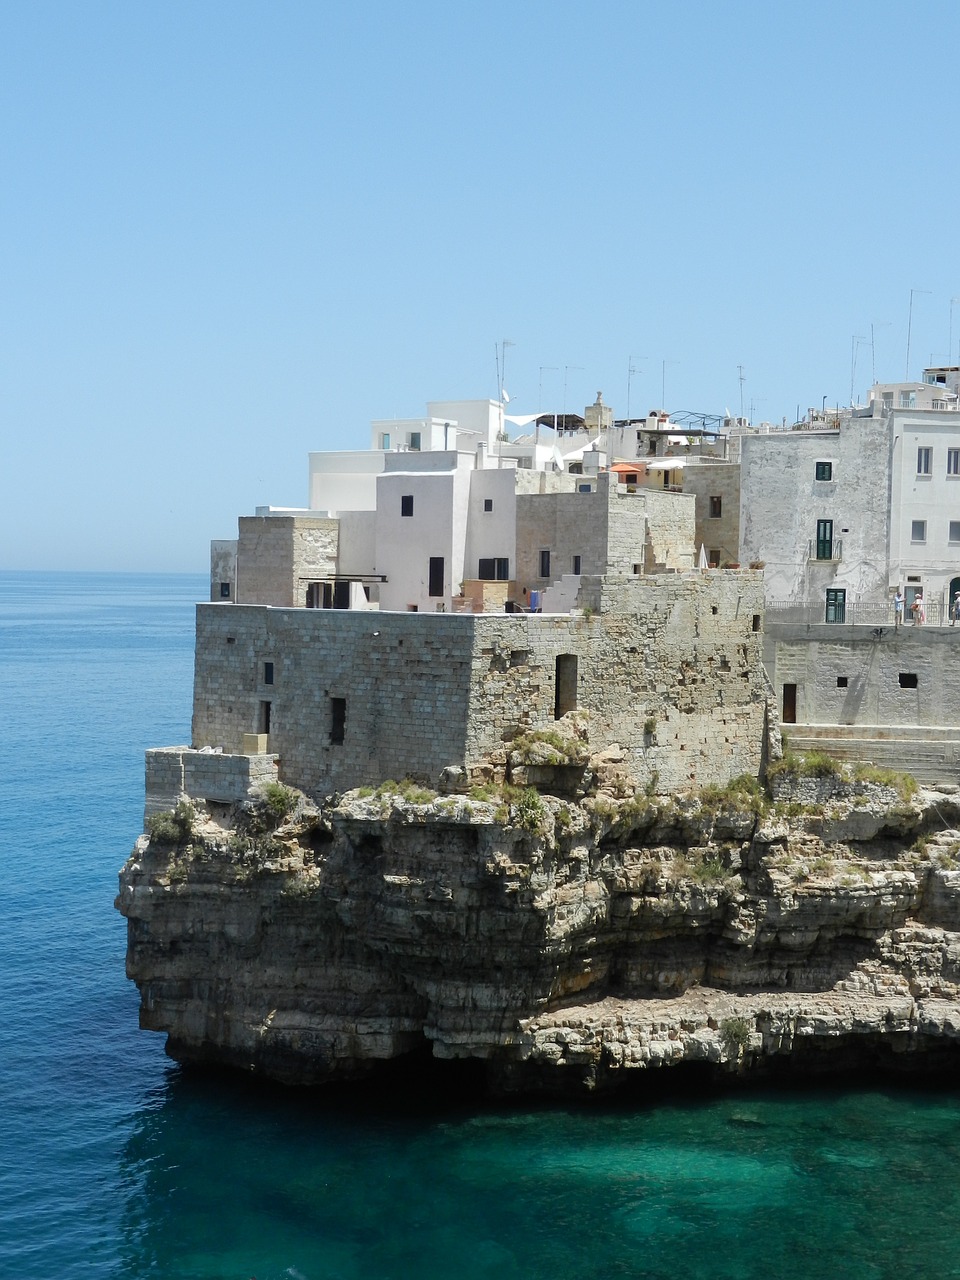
[(702, 561)]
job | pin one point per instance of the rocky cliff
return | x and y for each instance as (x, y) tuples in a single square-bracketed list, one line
[(566, 944)]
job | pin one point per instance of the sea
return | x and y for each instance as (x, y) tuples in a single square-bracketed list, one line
[(117, 1164)]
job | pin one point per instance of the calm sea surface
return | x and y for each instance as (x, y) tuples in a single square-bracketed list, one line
[(115, 1163)]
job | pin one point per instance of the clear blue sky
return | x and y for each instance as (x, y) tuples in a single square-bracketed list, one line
[(233, 232)]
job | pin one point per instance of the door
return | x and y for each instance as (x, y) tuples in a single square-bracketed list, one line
[(789, 713), (824, 539), (436, 576), (836, 605)]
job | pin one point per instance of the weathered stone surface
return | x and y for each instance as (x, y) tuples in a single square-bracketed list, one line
[(563, 944)]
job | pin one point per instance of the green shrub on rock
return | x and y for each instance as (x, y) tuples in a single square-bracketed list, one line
[(172, 826)]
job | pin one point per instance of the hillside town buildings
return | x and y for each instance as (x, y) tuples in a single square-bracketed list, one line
[(584, 527)]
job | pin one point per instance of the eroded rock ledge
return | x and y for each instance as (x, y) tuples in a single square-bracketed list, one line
[(567, 945)]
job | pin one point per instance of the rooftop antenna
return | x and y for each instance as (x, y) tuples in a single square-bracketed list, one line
[(740, 379), (630, 372), (906, 374), (855, 341), (950, 340)]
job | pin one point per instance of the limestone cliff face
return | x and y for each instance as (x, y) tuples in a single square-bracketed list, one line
[(562, 943)]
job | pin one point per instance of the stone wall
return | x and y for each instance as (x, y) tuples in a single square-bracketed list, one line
[(173, 772), (671, 671), (847, 675), (781, 501), (610, 529), (278, 555), (223, 569), (720, 534)]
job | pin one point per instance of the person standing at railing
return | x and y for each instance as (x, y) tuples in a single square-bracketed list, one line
[(898, 608), (918, 610), (955, 609)]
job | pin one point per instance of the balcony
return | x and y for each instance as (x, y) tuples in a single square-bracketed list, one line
[(825, 550)]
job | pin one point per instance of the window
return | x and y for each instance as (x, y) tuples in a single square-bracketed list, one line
[(584, 488), (756, 622), (713, 558), (953, 462), (887, 398), (264, 720), (338, 721), (824, 539), (908, 680), (955, 530), (268, 673), (908, 399), (716, 508), (576, 564), (823, 470), (924, 460), (918, 530), (545, 563), (436, 576), (224, 590), (836, 605), (415, 441), (494, 569), (841, 682), (488, 504), (406, 504), (384, 440)]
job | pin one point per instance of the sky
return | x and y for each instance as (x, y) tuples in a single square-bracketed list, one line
[(234, 232)]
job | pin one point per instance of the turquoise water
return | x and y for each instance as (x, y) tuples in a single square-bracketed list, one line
[(115, 1163)]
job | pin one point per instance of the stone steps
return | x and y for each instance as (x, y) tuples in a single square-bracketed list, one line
[(931, 755)]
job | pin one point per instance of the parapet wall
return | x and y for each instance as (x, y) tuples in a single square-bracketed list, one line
[(670, 670), (173, 772)]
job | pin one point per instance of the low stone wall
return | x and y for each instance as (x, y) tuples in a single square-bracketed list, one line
[(174, 772)]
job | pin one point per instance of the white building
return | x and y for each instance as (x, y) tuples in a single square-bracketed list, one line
[(427, 520), (855, 504)]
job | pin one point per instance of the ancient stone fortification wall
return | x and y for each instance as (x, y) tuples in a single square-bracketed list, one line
[(173, 772), (400, 682), (276, 554), (671, 672), (846, 675), (671, 528)]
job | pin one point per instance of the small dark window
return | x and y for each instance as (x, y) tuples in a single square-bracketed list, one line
[(264, 717), (716, 508), (576, 564), (494, 569), (338, 720), (714, 608), (545, 563), (823, 470), (756, 622), (268, 673), (435, 583), (908, 680), (224, 590), (841, 682), (638, 568), (406, 504), (488, 504)]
